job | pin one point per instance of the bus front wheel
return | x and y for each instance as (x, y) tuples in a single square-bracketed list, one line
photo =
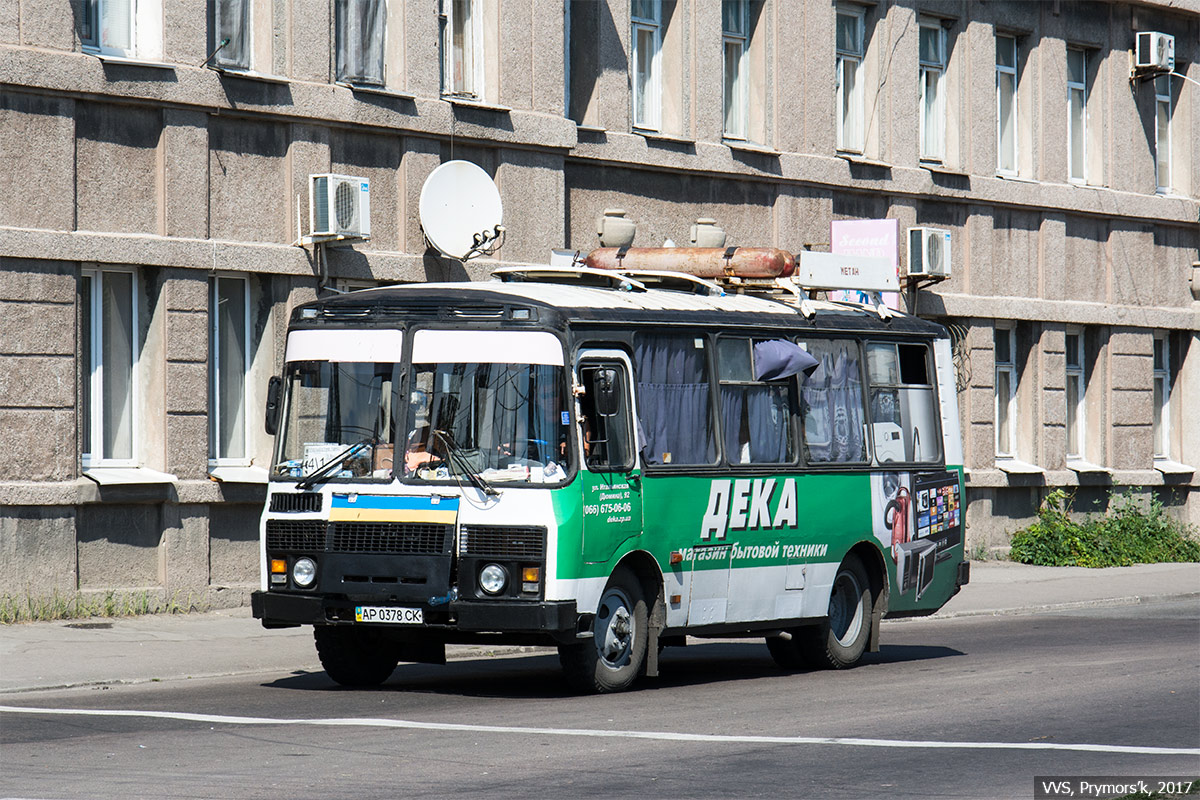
[(840, 640), (612, 659), (354, 656)]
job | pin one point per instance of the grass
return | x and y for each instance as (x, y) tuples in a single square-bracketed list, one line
[(1134, 530), (80, 605)]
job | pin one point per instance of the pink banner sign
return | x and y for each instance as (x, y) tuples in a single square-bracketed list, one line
[(877, 238)]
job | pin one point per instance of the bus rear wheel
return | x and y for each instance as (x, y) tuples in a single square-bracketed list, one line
[(354, 656), (612, 659), (840, 640)]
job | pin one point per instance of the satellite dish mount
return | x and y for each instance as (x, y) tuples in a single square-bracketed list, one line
[(461, 213)]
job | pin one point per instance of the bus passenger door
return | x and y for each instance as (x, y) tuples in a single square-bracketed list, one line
[(611, 475)]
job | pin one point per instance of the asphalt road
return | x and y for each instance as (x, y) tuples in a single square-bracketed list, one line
[(959, 708)]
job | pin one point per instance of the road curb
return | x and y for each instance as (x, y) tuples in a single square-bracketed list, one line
[(1136, 599)]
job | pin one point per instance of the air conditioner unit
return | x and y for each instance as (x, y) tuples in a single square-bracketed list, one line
[(928, 251), (339, 205), (1155, 51)]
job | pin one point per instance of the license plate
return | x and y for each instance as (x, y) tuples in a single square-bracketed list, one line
[(389, 614)]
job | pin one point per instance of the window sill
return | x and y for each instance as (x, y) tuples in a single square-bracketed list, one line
[(249, 75), (1081, 467), (1012, 466), (1172, 469), (366, 88), (129, 61), (748, 147), (238, 474), (1014, 178), (468, 102), (858, 158), (590, 128), (942, 169), (658, 136), (117, 476)]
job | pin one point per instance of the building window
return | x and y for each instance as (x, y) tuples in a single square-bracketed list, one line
[(123, 28), (850, 50), (231, 28), (228, 359), (462, 48), (361, 29), (1006, 392), (933, 69), (646, 35), (1006, 104), (1077, 113), (1162, 396), (1076, 393), (109, 355), (1162, 131), (735, 37)]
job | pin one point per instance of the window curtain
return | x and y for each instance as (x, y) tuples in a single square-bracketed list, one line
[(674, 400), (764, 411), (360, 41), (833, 400)]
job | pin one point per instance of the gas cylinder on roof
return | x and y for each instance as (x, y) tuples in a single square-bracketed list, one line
[(703, 262)]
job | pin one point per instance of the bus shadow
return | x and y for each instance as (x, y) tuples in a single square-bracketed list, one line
[(539, 676)]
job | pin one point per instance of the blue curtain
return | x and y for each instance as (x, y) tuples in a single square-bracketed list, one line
[(674, 401)]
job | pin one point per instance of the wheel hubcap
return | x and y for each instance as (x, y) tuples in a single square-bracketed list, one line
[(614, 628)]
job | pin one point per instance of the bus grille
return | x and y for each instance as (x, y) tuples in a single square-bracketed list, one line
[(413, 538), (389, 537), (504, 541), (294, 534), (303, 501)]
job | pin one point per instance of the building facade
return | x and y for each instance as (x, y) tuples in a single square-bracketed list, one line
[(156, 185)]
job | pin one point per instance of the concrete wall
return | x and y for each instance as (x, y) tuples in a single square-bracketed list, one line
[(180, 172)]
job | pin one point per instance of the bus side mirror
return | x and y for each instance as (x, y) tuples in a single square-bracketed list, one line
[(608, 401), (274, 388)]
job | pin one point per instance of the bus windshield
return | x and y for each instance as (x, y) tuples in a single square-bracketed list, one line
[(332, 408), (501, 422)]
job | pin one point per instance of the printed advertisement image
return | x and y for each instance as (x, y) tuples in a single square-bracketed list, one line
[(917, 518)]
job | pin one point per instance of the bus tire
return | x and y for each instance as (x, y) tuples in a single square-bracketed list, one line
[(354, 656), (613, 658), (839, 641), (788, 653)]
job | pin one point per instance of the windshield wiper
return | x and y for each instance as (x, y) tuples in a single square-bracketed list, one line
[(464, 466), (323, 471)]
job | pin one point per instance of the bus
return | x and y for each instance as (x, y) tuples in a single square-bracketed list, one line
[(607, 463)]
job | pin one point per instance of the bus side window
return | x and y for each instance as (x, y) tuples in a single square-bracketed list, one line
[(755, 414), (832, 406), (903, 405), (604, 418)]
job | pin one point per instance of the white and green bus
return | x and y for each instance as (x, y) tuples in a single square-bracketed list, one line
[(609, 465)]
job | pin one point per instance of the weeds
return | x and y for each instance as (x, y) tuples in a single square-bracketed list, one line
[(1134, 531), (79, 606)]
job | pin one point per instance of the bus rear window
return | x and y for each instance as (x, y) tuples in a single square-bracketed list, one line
[(903, 405)]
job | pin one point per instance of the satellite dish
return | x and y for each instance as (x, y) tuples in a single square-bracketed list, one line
[(461, 211)]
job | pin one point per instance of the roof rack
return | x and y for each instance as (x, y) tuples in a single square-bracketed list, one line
[(580, 276), (678, 281)]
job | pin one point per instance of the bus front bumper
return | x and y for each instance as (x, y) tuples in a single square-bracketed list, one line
[(557, 620)]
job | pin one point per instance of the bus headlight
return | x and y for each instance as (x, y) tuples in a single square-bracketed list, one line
[(493, 578), (304, 572)]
